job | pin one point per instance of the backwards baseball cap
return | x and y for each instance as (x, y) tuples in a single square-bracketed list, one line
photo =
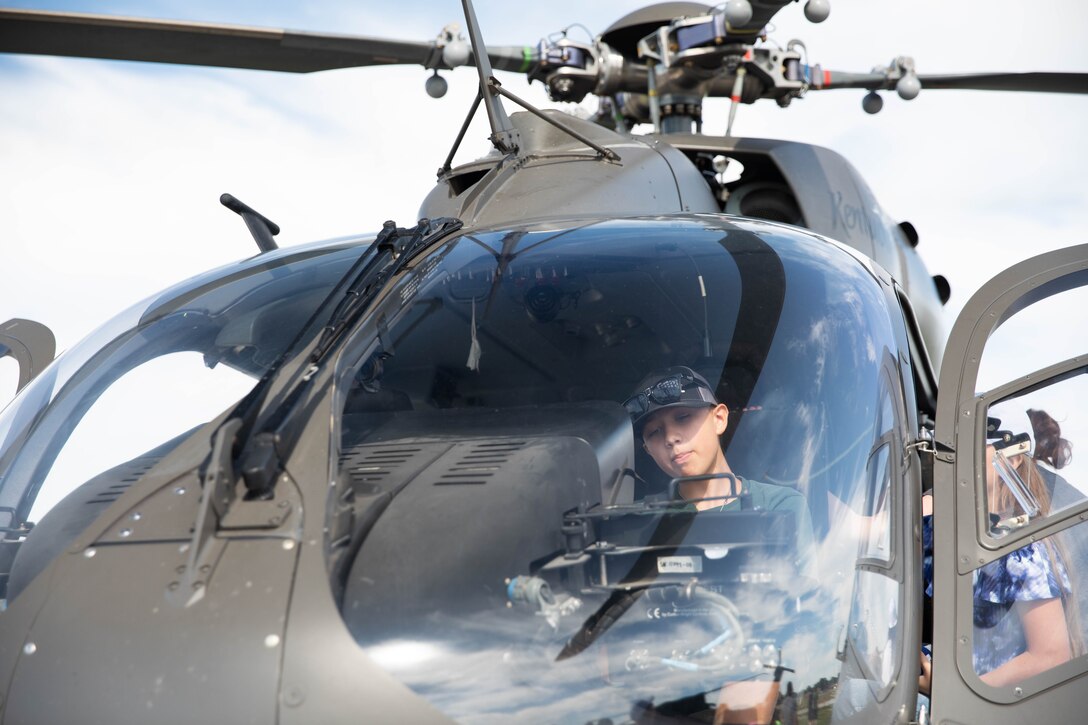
[(675, 387)]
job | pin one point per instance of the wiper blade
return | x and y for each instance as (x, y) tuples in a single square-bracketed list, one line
[(264, 450), (600, 621), (392, 249), (257, 454)]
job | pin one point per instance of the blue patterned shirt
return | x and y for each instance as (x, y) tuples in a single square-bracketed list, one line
[(1024, 575)]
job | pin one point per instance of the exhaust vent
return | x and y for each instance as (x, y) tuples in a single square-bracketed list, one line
[(129, 474), (480, 463), (383, 467)]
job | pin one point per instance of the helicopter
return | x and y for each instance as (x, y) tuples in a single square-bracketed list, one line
[(305, 698)]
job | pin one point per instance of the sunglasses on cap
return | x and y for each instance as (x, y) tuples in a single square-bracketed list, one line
[(666, 391)]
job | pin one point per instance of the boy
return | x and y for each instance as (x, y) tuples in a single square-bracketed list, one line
[(679, 420)]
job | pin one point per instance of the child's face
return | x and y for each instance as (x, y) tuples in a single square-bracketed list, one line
[(685, 441)]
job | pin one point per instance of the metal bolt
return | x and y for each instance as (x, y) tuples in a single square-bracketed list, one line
[(294, 696), (180, 490), (284, 504), (173, 586), (272, 640), (89, 552), (288, 544), (963, 640), (180, 569), (1018, 691), (198, 585), (205, 569), (124, 533)]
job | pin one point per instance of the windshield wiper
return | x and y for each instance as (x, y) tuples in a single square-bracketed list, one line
[(392, 249), (260, 453), (239, 447), (600, 621)]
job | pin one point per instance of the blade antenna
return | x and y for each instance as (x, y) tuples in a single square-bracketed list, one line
[(503, 134)]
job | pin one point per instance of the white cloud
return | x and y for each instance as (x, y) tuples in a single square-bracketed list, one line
[(110, 172), (119, 167)]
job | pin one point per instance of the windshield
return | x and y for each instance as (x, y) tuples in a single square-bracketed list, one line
[(151, 374), (512, 545)]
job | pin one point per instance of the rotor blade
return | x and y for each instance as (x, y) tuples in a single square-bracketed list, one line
[(1031, 82), (84, 35), (1025, 82), (162, 41)]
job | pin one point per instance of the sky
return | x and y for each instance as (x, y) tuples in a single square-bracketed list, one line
[(110, 172)]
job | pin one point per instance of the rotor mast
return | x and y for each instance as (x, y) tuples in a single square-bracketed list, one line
[(503, 134)]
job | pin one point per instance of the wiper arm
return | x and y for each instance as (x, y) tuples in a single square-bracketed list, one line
[(392, 249), (600, 621), (257, 455), (239, 447)]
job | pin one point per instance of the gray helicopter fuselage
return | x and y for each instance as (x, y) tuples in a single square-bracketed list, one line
[(417, 491), (460, 535)]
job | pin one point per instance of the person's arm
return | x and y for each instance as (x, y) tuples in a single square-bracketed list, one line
[(925, 679), (1047, 639)]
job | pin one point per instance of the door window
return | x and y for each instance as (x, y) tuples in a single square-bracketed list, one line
[(1031, 470), (1027, 608), (1010, 498), (1026, 604)]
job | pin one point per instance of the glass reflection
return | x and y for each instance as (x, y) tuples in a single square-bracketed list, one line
[(1032, 471), (550, 575), (1027, 604)]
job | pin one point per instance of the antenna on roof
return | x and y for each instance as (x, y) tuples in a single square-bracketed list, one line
[(504, 136)]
